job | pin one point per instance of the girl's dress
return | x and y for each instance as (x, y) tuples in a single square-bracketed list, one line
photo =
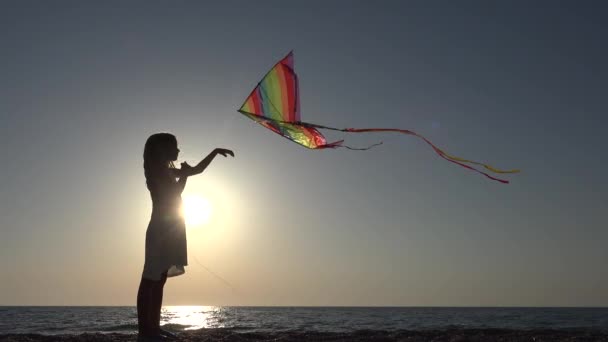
[(166, 246)]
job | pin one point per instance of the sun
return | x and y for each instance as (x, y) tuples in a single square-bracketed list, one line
[(196, 210)]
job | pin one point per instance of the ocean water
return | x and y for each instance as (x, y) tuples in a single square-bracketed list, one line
[(76, 320)]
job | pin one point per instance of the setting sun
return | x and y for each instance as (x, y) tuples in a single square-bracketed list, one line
[(196, 210)]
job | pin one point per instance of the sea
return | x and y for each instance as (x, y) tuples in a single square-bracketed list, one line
[(51, 320)]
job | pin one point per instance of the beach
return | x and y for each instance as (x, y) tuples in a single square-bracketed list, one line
[(444, 335)]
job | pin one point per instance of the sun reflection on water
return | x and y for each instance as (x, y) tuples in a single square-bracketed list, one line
[(191, 317)]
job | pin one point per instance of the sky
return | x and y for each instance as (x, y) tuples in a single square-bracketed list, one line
[(516, 84)]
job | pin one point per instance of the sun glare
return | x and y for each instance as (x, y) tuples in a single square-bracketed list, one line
[(192, 317), (196, 210)]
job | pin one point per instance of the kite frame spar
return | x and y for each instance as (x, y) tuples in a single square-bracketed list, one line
[(280, 84)]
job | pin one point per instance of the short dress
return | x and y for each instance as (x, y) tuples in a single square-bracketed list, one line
[(166, 245)]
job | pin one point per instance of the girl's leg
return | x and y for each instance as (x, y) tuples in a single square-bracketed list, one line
[(144, 296), (156, 303)]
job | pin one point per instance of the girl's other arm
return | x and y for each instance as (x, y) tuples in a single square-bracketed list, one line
[(183, 176)]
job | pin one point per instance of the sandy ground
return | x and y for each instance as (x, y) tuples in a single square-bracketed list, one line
[(452, 335)]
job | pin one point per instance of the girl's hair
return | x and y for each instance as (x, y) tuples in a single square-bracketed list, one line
[(156, 156)]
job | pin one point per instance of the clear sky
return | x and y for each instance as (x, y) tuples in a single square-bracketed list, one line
[(517, 84)]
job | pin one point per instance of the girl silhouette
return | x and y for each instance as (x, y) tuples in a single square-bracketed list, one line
[(166, 253)]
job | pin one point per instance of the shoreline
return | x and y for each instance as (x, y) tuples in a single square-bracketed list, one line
[(435, 335)]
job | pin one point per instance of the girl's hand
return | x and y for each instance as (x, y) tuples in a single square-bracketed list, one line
[(224, 152)]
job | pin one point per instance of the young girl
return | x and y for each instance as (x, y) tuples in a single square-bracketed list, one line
[(166, 253)]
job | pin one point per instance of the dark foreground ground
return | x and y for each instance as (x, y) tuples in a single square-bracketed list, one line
[(449, 335)]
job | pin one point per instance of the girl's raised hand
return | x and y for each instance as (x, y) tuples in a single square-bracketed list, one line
[(224, 152)]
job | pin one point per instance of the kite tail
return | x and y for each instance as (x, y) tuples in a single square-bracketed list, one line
[(455, 160), (437, 149), (361, 148), (488, 167)]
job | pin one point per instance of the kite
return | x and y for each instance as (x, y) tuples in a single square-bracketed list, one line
[(275, 104)]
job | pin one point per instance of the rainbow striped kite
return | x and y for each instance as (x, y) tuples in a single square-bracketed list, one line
[(275, 104)]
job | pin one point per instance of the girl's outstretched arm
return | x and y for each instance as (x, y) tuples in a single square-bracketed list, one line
[(202, 165)]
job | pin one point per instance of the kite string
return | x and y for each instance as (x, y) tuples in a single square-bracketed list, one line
[(215, 275)]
